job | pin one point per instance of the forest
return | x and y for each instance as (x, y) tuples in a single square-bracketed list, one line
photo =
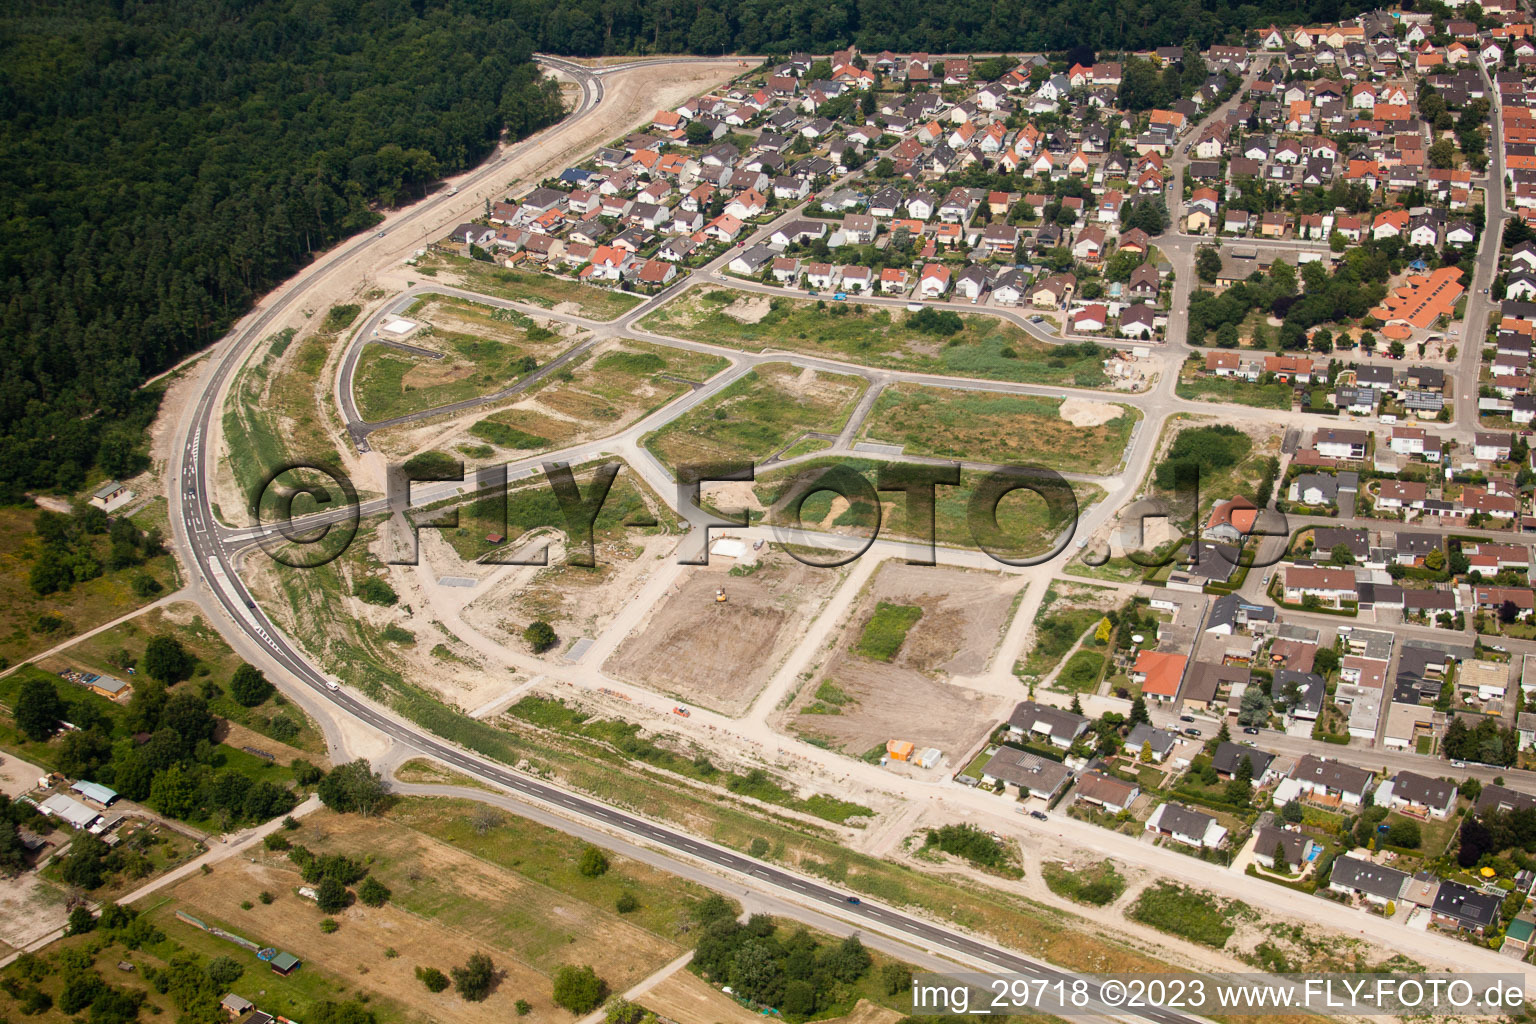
[(582, 28), (162, 165)]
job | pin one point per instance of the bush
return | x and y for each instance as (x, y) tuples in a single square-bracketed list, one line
[(374, 590), (626, 903), (540, 636), (373, 892), (523, 1007), (434, 979), (473, 981), (578, 989), (328, 925), (592, 863), (266, 897)]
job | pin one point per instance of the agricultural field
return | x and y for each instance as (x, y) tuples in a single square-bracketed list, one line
[(914, 630), (976, 426), (984, 346), (478, 350), (31, 622), (561, 295), (1026, 524), (761, 414), (720, 654), (599, 392)]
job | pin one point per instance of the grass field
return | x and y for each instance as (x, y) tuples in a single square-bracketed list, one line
[(986, 347), (1190, 913), (1026, 522), (1066, 613), (1236, 392), (24, 630), (272, 416), (535, 289), (887, 629), (1008, 429), (1097, 885), (590, 396), (533, 506), (758, 415)]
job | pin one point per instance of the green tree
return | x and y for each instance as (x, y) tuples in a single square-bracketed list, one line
[(1207, 264), (38, 709), (249, 685), (373, 892), (434, 979), (224, 971), (592, 862), (540, 636), (331, 896), (166, 660), (474, 980), (578, 989), (353, 787), (174, 792), (81, 920), (1139, 713)]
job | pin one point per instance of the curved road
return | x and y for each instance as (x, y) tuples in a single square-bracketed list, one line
[(210, 563)]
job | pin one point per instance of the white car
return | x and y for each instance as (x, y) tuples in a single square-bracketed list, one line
[(332, 684)]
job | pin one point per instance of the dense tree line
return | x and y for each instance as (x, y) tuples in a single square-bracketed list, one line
[(161, 750), (162, 165), (788, 970), (768, 26)]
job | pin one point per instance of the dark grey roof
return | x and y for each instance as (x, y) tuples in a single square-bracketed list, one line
[(1027, 771), (1467, 905), (1161, 739), (1332, 774), (1364, 876), (1229, 755), (1063, 725), (1294, 842), (1183, 820), (1421, 789), (1502, 798)]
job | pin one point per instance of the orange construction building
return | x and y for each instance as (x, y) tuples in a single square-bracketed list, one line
[(1423, 299)]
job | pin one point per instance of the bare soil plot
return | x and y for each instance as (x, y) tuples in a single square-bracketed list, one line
[(758, 415), (977, 426), (576, 600), (445, 905), (720, 654), (689, 999), (29, 909), (858, 703)]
